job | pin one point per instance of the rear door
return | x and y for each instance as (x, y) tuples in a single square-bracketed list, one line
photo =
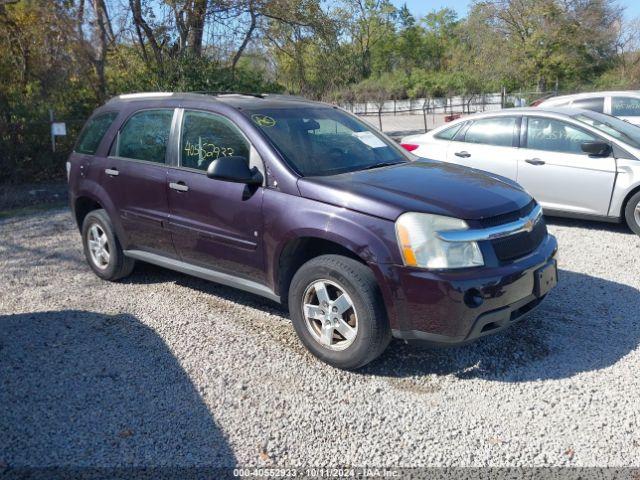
[(488, 144), (626, 108), (215, 224), (135, 176), (555, 170), (435, 148)]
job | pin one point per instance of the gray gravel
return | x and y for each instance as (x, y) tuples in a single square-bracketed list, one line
[(164, 369)]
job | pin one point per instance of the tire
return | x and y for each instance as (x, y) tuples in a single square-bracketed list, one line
[(98, 230), (327, 337), (632, 213)]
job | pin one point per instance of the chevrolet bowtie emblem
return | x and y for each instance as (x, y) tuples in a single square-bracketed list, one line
[(528, 227)]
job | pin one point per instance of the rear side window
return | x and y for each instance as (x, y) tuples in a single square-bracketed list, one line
[(93, 132), (207, 137), (594, 104), (556, 136), (145, 136), (625, 106), (449, 133), (492, 131)]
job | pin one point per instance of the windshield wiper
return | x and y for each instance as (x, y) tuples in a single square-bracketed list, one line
[(381, 164)]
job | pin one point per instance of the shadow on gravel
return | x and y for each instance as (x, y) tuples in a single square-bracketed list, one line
[(586, 324), (84, 389)]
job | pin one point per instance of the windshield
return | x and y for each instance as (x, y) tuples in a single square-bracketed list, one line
[(619, 129), (319, 141)]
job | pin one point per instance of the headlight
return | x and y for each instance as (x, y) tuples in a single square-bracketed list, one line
[(421, 247)]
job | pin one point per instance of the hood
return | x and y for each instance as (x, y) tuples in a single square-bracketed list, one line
[(426, 186)]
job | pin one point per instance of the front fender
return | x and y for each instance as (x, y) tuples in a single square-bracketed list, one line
[(370, 238), (627, 181)]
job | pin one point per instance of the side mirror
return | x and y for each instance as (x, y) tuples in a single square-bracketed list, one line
[(597, 149), (234, 169)]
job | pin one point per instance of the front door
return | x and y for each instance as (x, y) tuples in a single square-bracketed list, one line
[(135, 174), (487, 144), (215, 224), (555, 170)]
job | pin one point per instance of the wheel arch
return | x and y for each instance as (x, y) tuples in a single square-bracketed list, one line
[(83, 205), (91, 198), (299, 249), (627, 197)]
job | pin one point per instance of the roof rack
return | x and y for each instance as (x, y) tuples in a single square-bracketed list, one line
[(227, 92), (144, 95)]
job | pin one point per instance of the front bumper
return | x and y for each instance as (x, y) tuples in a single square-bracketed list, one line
[(457, 307)]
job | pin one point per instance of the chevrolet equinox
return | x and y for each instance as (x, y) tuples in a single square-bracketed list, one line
[(304, 204)]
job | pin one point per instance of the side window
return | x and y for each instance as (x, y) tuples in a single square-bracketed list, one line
[(625, 106), (492, 131), (93, 132), (449, 133), (556, 136), (145, 136), (596, 104), (206, 137)]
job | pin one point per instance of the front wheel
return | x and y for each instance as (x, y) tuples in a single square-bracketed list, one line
[(632, 213), (337, 311)]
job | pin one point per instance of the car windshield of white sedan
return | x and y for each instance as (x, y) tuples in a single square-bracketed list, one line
[(619, 129), (324, 141)]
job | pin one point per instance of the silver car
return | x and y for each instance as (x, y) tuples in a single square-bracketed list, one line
[(625, 104), (576, 163)]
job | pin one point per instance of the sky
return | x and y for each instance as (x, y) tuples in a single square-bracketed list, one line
[(420, 7)]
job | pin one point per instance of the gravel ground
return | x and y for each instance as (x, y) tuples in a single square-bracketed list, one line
[(164, 369)]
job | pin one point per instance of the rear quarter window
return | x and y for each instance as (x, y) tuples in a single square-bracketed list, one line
[(449, 133), (92, 133)]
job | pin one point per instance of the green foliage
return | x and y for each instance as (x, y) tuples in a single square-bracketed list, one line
[(55, 56)]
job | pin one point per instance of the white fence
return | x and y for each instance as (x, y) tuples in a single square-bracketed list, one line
[(419, 106)]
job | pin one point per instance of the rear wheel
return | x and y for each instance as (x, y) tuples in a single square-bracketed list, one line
[(102, 249), (632, 213), (337, 311)]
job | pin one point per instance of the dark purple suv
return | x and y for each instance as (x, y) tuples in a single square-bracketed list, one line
[(304, 204)]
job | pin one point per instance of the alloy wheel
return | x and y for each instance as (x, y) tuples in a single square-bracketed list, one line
[(99, 246), (330, 315)]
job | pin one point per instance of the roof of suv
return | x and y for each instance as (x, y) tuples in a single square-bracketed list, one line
[(236, 100)]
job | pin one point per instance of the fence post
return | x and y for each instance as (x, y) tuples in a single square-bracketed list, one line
[(425, 105), (53, 137)]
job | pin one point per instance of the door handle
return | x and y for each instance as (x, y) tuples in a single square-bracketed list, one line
[(535, 161), (462, 154), (112, 172), (179, 186)]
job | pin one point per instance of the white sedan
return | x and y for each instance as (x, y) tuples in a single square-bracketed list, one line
[(576, 163)]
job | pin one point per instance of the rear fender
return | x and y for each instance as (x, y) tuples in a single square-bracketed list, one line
[(94, 191)]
